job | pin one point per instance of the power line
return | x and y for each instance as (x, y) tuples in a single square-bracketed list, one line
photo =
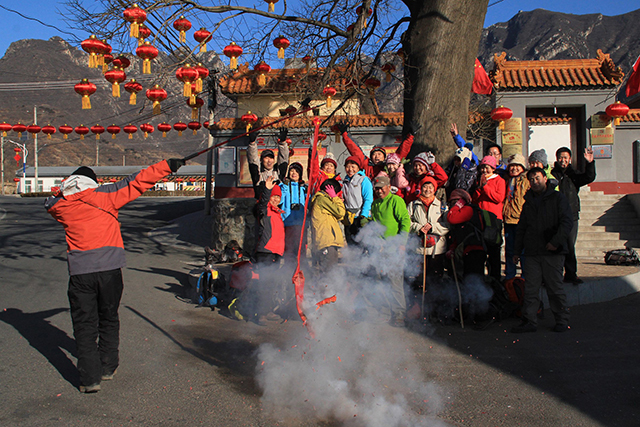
[(36, 20)]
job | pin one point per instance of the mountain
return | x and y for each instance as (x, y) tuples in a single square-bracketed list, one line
[(543, 35)]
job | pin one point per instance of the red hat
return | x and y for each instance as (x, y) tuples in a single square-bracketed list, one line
[(329, 160), (354, 160), (459, 193), (428, 178), (276, 191), (380, 149), (489, 161)]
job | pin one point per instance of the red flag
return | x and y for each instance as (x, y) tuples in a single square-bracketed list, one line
[(633, 84), (481, 83)]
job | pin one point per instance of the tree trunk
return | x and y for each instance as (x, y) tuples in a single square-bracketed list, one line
[(440, 47)]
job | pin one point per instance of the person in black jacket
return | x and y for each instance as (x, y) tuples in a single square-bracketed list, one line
[(569, 183), (543, 232)]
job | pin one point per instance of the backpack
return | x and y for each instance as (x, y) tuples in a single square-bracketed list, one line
[(622, 257), (209, 284), (515, 292), (488, 227)]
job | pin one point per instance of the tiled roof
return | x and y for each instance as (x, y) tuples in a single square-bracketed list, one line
[(286, 80), (548, 120), (633, 116), (596, 73), (362, 120)]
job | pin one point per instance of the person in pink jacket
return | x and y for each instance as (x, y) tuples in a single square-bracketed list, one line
[(489, 195), (397, 174)]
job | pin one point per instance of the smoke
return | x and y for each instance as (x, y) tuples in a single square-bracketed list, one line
[(356, 370)]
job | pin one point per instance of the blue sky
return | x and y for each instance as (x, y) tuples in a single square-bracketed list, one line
[(16, 27)]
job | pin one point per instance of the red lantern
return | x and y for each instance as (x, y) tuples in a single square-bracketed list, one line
[(108, 59), (97, 130), (135, 16), (115, 77), (187, 75), (369, 13), (202, 36), (322, 136), (5, 127), (194, 126), (105, 49), (372, 83), (34, 130), (93, 47), (20, 128), (329, 92), (501, 114), (146, 52), (203, 73), (86, 89), (617, 111), (180, 127), (133, 87), (388, 68), (65, 130), (351, 27), (156, 95), (183, 25), (206, 124), (249, 119), (164, 128), (281, 43), (18, 160), (143, 33), (81, 130), (121, 62), (130, 130), (147, 128), (262, 68), (290, 110), (113, 130), (233, 51), (271, 4), (48, 130), (307, 59), (195, 107)]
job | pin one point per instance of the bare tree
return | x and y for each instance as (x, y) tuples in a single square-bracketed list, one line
[(352, 38)]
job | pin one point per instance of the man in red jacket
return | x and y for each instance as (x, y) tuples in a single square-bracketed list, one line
[(95, 256)]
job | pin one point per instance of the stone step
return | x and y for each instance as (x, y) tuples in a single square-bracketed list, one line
[(621, 214), (586, 236), (625, 227), (610, 199), (607, 208), (603, 245), (611, 223)]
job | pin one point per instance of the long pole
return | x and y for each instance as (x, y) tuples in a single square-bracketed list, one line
[(207, 182), (2, 162), (35, 149)]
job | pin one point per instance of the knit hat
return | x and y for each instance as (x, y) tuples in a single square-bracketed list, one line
[(459, 193), (328, 158), (426, 179), (489, 161), (381, 181), (516, 159), (297, 167), (276, 191), (393, 158), (380, 149), (421, 158), (539, 156), (267, 153), (86, 171), (354, 160)]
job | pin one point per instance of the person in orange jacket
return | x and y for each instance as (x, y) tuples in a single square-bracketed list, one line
[(95, 257)]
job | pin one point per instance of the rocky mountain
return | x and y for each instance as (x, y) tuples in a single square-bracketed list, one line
[(543, 35)]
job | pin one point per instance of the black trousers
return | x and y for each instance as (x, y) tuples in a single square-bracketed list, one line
[(570, 261), (94, 299)]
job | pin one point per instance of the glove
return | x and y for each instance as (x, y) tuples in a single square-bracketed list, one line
[(253, 136), (282, 136), (175, 164), (342, 127), (460, 203), (330, 191), (430, 158), (364, 221), (450, 253)]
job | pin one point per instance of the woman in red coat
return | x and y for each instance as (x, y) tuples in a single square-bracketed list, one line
[(490, 195)]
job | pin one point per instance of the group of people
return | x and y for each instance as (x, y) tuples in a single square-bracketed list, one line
[(450, 211)]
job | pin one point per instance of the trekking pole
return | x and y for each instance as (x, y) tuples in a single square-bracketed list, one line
[(455, 277), (424, 274), (191, 156)]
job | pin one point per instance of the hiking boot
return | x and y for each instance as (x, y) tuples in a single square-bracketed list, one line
[(93, 388), (397, 322), (109, 377), (560, 327), (575, 280), (272, 317), (523, 328), (234, 311)]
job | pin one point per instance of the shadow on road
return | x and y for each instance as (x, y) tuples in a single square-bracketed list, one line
[(45, 338)]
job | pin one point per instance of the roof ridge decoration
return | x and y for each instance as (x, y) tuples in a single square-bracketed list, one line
[(555, 74)]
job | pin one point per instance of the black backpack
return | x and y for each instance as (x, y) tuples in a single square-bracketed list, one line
[(488, 227), (622, 257)]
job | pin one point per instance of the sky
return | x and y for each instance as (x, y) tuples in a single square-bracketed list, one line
[(16, 27)]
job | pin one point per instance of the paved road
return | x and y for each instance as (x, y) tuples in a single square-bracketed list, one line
[(182, 365)]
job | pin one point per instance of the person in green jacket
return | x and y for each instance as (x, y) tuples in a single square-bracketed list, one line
[(391, 211)]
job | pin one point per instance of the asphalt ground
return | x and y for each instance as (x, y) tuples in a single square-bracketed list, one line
[(182, 365)]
